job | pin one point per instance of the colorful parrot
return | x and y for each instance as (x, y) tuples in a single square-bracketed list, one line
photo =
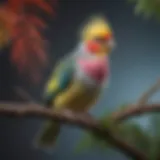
[(79, 78)]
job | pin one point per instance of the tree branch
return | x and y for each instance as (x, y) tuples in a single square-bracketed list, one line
[(85, 121), (135, 110), (149, 93), (69, 117)]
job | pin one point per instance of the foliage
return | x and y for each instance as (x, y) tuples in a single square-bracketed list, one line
[(134, 134), (130, 132), (149, 8), (155, 129), (21, 25), (91, 140)]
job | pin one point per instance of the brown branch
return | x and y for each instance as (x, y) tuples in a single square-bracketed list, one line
[(149, 93), (118, 116), (91, 124), (135, 110), (68, 117)]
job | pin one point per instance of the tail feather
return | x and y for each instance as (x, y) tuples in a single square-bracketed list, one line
[(47, 136)]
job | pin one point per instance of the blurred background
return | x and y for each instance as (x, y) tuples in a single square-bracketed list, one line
[(134, 67)]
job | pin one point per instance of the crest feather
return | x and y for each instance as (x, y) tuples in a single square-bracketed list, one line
[(96, 26)]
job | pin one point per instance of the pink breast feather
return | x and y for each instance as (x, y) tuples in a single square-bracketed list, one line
[(98, 68)]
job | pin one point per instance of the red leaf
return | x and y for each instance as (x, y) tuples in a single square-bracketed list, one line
[(17, 51), (28, 49), (33, 33), (18, 31), (8, 18), (36, 21), (27, 54), (15, 5), (41, 4), (41, 55)]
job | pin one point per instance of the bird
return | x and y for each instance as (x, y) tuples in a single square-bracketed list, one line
[(78, 78)]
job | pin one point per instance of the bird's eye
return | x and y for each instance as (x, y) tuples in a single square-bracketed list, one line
[(100, 39), (103, 39)]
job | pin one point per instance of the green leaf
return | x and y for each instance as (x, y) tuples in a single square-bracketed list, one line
[(157, 12), (155, 128), (90, 141), (135, 135), (149, 8), (140, 7), (87, 142), (94, 140), (155, 125), (130, 132), (107, 121)]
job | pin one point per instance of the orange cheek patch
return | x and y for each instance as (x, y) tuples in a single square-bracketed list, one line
[(93, 47)]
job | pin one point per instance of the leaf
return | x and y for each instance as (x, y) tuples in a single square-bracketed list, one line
[(139, 7), (19, 56), (86, 143), (94, 140), (4, 36), (28, 50), (41, 4), (155, 125), (36, 21), (15, 5), (107, 120), (155, 129), (7, 21), (29, 56), (130, 132), (148, 8), (134, 134), (91, 141)]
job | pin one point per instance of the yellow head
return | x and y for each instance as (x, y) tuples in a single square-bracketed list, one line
[(98, 35)]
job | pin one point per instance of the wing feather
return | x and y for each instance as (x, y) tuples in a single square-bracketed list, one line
[(59, 80)]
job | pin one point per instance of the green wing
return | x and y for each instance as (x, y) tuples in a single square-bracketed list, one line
[(59, 80)]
